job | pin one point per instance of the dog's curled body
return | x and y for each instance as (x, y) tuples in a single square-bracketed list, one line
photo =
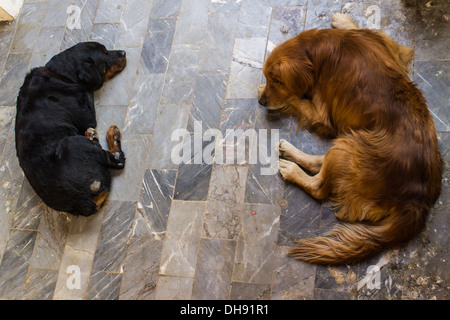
[(57, 147), (383, 171)]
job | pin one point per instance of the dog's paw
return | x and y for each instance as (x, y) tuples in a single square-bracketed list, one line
[(113, 138), (288, 169), (260, 89), (91, 134), (283, 148), (342, 21)]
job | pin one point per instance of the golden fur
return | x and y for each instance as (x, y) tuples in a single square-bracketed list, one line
[(383, 171)]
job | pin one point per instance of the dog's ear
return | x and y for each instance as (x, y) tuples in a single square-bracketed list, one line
[(89, 74), (297, 74)]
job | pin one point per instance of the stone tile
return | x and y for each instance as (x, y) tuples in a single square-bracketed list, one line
[(275, 3), (109, 11), (133, 24), (218, 41), (180, 77), (387, 280), (126, 183), (226, 194), (103, 286), (256, 244), (154, 203), (56, 13), (181, 245), (144, 103), (292, 279), (75, 34), (140, 275), (7, 207), (29, 209), (75, 263), (47, 45), (165, 8), (194, 172), (246, 68), (250, 291), (170, 118), (174, 288), (287, 22), (7, 35), (105, 33), (208, 100), (40, 284), (237, 120), (16, 68), (225, 5), (7, 115), (83, 231), (319, 13), (432, 77), (15, 262), (264, 184), (106, 117), (33, 13), (326, 294), (191, 21), (118, 91), (51, 239), (214, 269), (113, 239), (254, 19), (300, 215), (11, 175), (157, 46), (25, 38), (380, 14), (339, 278), (432, 31)]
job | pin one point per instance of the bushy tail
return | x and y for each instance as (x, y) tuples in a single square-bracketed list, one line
[(351, 242)]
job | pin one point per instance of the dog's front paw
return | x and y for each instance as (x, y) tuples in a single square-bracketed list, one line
[(113, 138), (289, 170), (283, 148), (260, 89), (91, 134)]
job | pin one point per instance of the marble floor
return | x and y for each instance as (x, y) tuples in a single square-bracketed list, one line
[(203, 230)]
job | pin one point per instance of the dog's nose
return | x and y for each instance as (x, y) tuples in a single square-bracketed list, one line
[(122, 53), (262, 102)]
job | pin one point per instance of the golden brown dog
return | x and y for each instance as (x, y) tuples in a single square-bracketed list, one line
[(383, 171)]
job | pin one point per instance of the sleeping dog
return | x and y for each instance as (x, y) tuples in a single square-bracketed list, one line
[(56, 143)]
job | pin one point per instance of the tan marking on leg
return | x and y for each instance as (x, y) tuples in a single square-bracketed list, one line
[(112, 137), (100, 199)]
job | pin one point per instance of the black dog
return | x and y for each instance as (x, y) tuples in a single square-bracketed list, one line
[(56, 144)]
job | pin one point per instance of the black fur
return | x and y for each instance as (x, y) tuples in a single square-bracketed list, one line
[(55, 107)]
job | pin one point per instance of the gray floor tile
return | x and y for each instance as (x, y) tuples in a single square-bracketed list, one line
[(183, 223)]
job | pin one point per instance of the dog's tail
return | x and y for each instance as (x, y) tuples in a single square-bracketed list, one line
[(350, 242)]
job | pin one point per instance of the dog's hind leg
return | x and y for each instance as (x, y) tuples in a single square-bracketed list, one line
[(311, 163), (342, 21)]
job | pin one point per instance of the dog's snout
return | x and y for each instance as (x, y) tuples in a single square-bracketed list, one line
[(262, 101), (122, 53)]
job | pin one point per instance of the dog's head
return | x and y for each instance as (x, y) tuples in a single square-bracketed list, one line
[(289, 75), (89, 63)]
